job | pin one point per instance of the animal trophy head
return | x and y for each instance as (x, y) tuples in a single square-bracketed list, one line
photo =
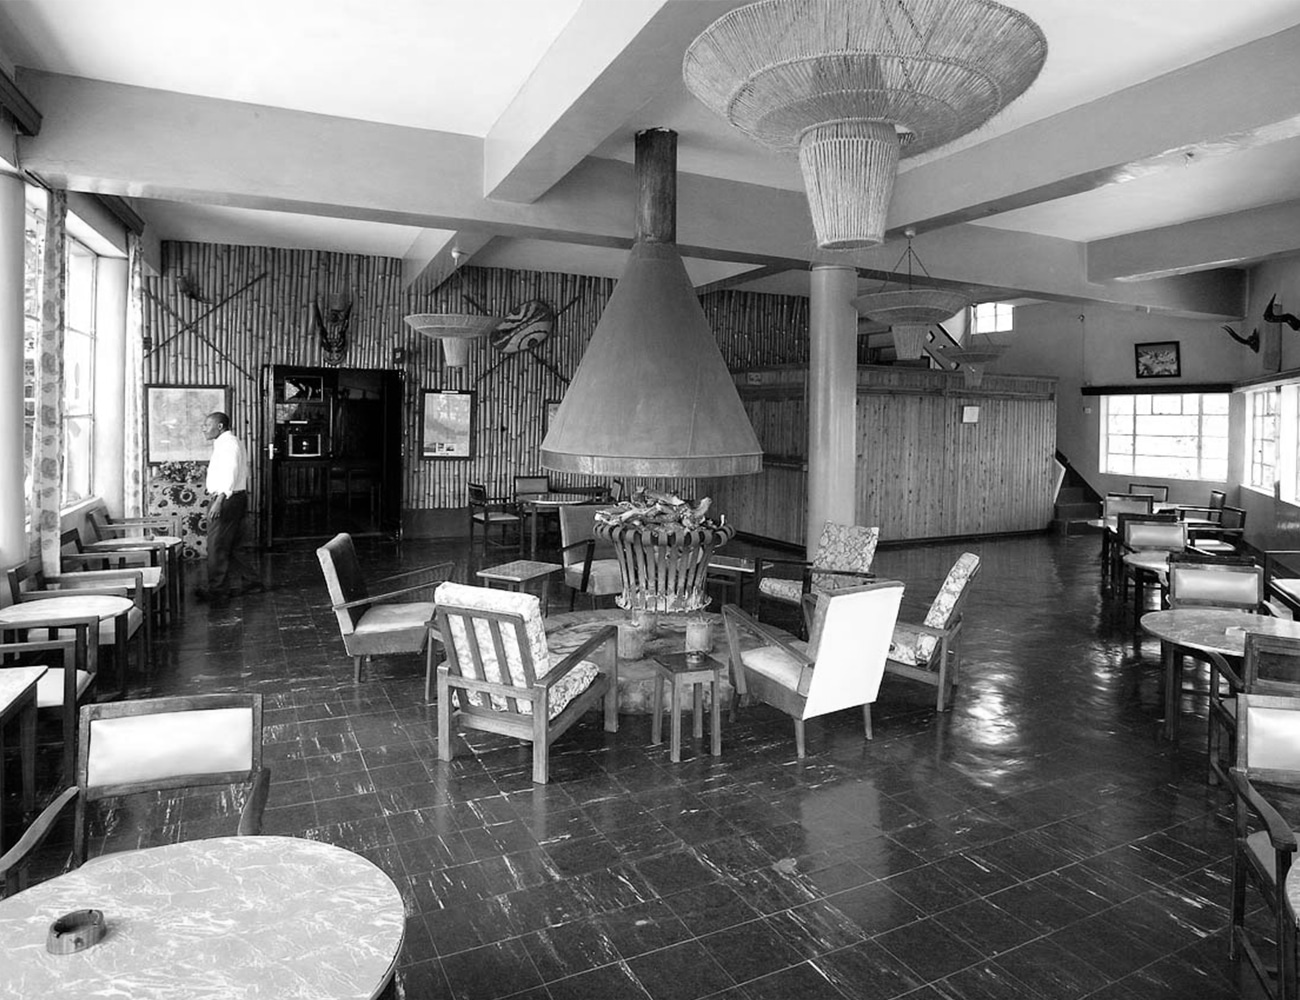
[(524, 328), (331, 323)]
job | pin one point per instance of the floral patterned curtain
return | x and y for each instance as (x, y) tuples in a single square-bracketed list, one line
[(133, 413), (47, 434)]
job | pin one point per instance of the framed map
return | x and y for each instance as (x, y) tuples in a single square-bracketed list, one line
[(447, 425), (174, 417)]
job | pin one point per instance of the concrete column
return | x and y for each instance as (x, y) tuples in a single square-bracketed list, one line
[(832, 399), (111, 278), (13, 497)]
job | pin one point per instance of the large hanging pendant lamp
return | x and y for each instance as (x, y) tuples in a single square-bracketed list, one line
[(652, 395), (855, 84), (910, 312), (454, 330)]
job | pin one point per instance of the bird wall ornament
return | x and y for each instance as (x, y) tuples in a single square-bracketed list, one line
[(525, 327), (1290, 319)]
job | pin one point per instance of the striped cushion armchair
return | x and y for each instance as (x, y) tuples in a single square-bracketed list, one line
[(844, 556)]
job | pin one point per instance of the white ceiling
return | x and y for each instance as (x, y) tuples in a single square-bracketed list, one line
[(530, 100)]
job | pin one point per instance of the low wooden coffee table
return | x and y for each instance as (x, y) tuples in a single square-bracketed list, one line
[(515, 574), (683, 670)]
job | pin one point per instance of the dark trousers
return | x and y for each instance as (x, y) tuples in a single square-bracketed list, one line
[(227, 565)]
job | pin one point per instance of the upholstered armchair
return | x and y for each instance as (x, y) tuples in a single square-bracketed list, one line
[(499, 676), (843, 559), (931, 651), (590, 565), (839, 667), (375, 625)]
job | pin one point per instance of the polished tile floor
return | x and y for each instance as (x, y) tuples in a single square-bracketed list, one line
[(1040, 840)]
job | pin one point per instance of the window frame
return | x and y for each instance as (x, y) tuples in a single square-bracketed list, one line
[(1157, 410)]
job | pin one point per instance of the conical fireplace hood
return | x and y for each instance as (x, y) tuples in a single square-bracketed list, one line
[(652, 395)]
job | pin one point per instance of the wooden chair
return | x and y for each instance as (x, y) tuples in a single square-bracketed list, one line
[(1282, 582), (70, 655), (590, 564), (931, 652), (528, 487), (1270, 665), (156, 531), (369, 624), (843, 559), (1147, 541), (150, 560), (1112, 506), (1224, 538), (28, 582), (157, 744), (1196, 582), (839, 667), (1267, 762), (498, 676), (491, 512), (1158, 494)]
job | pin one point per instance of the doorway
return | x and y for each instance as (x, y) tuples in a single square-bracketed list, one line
[(335, 459)]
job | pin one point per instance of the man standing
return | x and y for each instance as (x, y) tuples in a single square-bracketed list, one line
[(228, 485)]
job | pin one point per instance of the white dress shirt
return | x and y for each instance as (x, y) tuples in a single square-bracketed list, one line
[(228, 467)]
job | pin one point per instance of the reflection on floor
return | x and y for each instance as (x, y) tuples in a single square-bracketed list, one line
[(1037, 841)]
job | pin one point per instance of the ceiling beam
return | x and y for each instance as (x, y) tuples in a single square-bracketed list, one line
[(1236, 100), (1222, 241), (114, 139)]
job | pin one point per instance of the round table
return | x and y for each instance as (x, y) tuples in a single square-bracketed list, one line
[(223, 918), (1202, 630)]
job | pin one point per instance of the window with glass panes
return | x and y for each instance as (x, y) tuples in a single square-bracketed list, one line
[(993, 317), (79, 373), (1261, 438), (1174, 435)]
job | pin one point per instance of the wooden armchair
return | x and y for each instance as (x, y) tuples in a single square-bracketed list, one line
[(843, 559), (28, 582), (150, 560), (70, 655), (1225, 537), (369, 624), (15, 862), (1269, 665), (157, 744), (490, 512), (498, 676), (839, 667), (1267, 763), (1281, 581), (1146, 543), (931, 652)]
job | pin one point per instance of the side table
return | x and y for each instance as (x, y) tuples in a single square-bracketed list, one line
[(515, 574), (682, 670)]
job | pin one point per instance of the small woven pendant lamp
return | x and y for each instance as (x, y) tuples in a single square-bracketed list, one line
[(910, 312), (855, 84), (454, 330)]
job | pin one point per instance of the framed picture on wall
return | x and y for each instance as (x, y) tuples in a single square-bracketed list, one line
[(1158, 359), (447, 424), (174, 416)]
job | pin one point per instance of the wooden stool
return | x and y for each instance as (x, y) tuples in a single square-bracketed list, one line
[(681, 670)]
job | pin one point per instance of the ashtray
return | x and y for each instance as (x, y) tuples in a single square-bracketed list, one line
[(75, 931), (695, 656)]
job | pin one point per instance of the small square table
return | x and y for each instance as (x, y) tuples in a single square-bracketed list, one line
[(18, 701), (681, 670), (515, 574), (732, 571)]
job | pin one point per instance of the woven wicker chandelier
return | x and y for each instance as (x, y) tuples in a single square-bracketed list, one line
[(910, 312), (854, 84)]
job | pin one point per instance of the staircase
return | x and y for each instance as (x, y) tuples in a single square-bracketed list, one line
[(1076, 502)]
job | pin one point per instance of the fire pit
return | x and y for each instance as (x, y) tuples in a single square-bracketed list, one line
[(663, 545)]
